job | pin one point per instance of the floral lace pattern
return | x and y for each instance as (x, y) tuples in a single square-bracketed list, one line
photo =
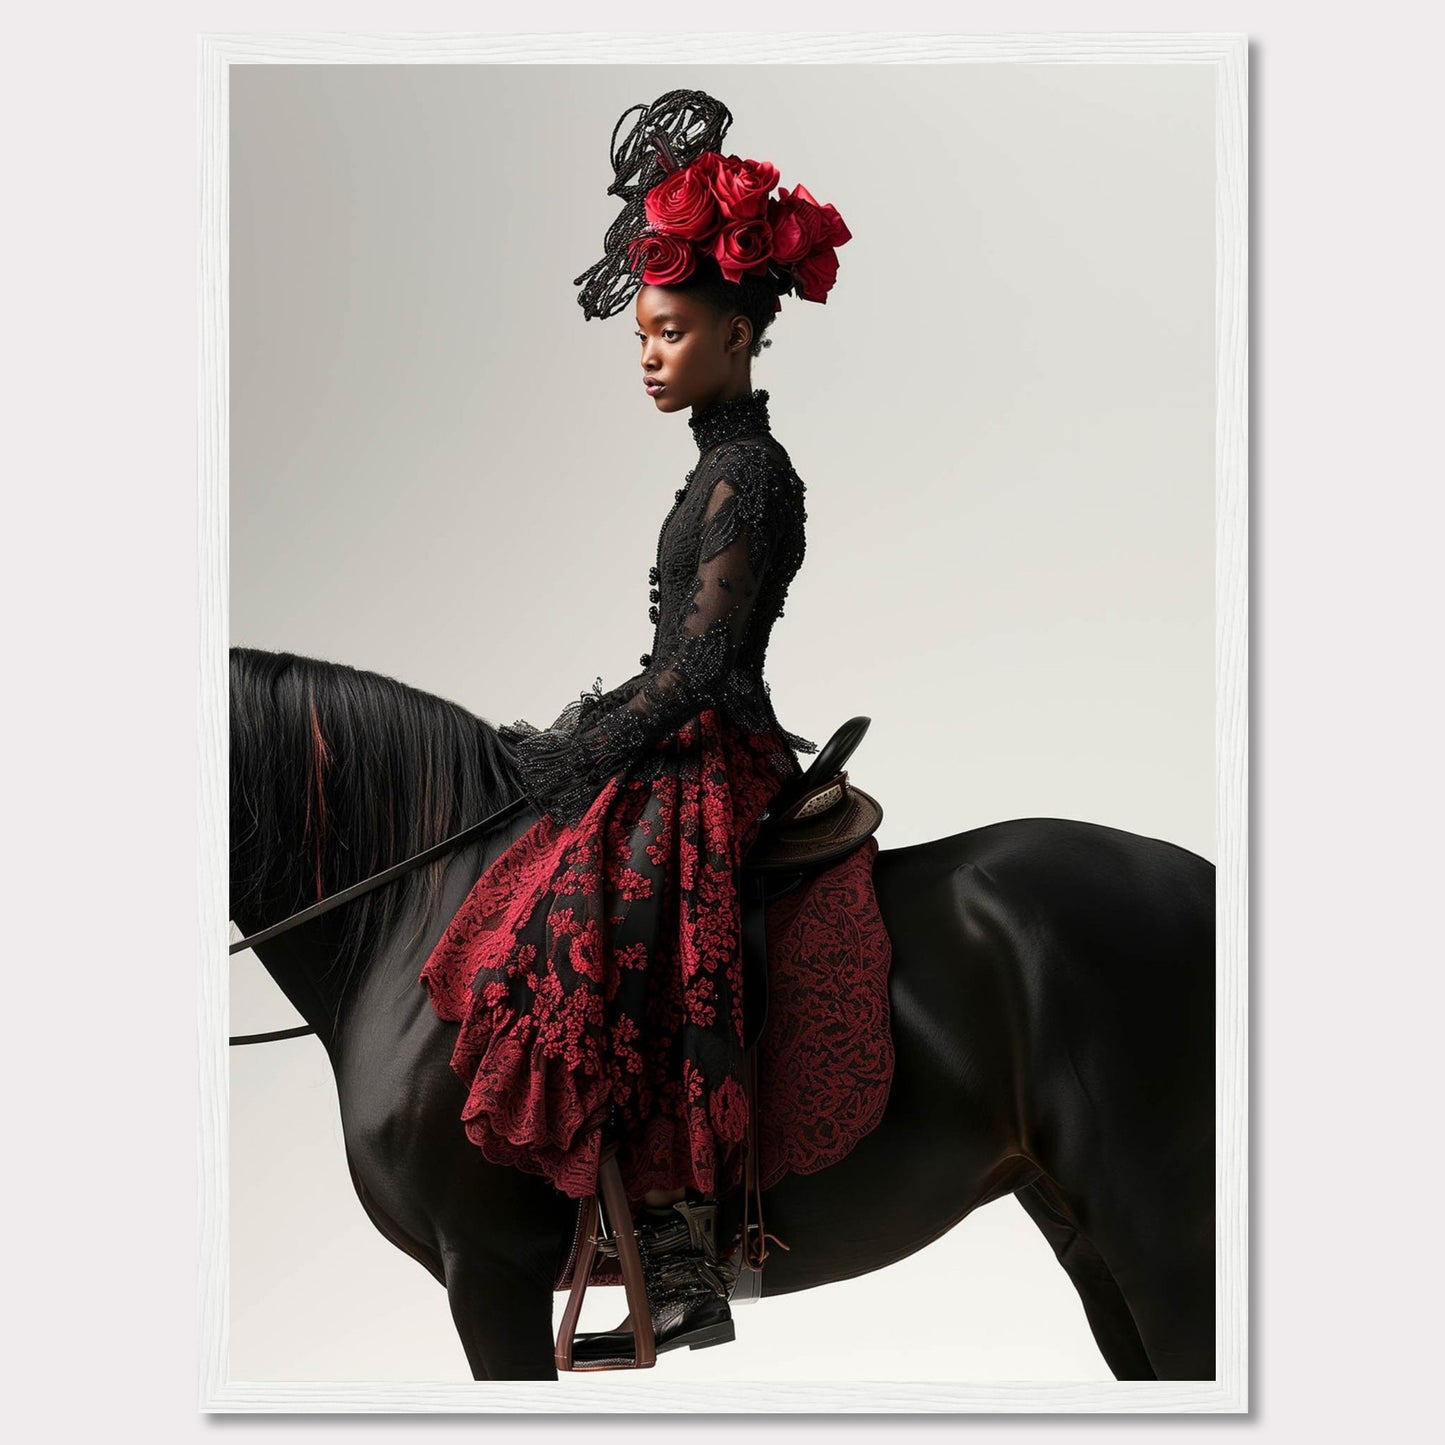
[(825, 1058), (596, 974)]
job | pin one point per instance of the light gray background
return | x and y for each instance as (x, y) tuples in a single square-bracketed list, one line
[(1004, 415)]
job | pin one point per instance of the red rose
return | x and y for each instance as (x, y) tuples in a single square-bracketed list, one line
[(804, 237), (742, 187), (797, 227), (683, 204), (706, 165), (816, 274), (666, 259), (835, 230), (744, 248)]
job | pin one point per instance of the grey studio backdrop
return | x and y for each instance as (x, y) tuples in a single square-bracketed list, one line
[(1005, 418)]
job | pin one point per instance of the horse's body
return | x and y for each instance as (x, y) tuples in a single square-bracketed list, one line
[(1052, 996)]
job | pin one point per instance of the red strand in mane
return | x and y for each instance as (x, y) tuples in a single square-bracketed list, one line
[(320, 756)]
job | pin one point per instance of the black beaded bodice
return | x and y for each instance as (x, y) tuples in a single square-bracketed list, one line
[(727, 553)]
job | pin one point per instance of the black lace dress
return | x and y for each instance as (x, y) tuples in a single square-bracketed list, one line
[(595, 967)]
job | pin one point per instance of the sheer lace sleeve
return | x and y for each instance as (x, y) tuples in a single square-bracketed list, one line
[(565, 766)]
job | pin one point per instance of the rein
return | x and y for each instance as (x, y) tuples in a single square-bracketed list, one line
[(356, 890)]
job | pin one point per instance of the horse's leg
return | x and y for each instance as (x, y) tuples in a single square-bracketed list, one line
[(500, 1234), (1150, 1219), (1124, 1083), (1159, 1242), (503, 1315), (1105, 1308)]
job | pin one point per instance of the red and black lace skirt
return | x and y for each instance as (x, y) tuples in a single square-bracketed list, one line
[(596, 973)]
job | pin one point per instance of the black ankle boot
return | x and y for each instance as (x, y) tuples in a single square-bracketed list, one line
[(687, 1283)]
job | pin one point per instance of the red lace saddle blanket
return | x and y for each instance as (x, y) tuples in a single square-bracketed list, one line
[(825, 1056)]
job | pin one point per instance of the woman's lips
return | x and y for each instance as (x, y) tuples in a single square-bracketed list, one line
[(653, 387)]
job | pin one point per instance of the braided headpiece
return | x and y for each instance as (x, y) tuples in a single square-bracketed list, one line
[(683, 199)]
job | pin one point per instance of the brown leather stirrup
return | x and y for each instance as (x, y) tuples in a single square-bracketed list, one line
[(623, 1238)]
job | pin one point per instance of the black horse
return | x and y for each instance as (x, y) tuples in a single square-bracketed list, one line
[(1052, 995)]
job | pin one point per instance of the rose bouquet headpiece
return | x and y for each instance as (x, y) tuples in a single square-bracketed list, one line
[(685, 200)]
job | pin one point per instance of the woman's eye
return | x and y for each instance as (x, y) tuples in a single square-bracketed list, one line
[(668, 334)]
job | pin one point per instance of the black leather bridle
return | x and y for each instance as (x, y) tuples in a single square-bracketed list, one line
[(366, 885)]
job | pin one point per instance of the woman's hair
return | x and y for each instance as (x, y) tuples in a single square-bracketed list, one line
[(753, 296)]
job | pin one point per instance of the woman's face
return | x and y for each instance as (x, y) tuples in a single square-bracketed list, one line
[(692, 355)]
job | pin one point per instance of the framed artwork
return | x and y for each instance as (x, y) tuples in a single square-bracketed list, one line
[(1019, 413)]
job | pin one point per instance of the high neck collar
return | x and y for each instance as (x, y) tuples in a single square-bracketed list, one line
[(723, 420)]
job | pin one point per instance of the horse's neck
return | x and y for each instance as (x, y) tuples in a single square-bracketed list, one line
[(302, 964)]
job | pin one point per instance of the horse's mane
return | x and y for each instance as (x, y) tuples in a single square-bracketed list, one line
[(349, 771)]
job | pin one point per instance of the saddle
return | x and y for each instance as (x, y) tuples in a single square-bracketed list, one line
[(815, 819)]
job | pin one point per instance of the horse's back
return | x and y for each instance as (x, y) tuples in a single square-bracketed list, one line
[(1083, 970)]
